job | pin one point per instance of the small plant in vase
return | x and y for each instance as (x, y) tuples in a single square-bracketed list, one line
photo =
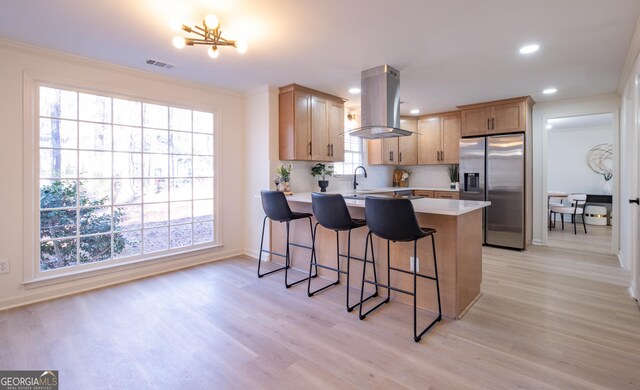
[(453, 172), (323, 172), (284, 174)]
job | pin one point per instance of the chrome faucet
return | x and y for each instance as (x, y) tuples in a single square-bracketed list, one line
[(355, 183)]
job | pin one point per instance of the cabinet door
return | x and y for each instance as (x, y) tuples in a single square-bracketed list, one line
[(507, 118), (429, 141), (390, 151), (302, 126), (450, 140), (476, 121), (408, 146), (446, 195), (336, 128), (423, 193), (374, 152), (320, 147)]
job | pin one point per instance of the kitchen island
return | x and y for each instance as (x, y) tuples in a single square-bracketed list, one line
[(458, 247)]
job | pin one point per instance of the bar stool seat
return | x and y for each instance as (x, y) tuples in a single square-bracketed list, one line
[(276, 208), (395, 220), (331, 213)]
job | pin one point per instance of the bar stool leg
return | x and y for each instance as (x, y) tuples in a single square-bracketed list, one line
[(315, 262), (264, 221), (375, 277), (417, 337), (364, 270), (288, 260)]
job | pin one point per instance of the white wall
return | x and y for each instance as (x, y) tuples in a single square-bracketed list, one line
[(567, 159), (16, 61), (563, 108)]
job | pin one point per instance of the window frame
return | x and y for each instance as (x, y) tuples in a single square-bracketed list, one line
[(348, 126), (31, 187)]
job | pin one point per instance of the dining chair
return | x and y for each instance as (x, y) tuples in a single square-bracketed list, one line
[(576, 207)]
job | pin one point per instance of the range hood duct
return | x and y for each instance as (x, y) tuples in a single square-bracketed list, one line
[(380, 102)]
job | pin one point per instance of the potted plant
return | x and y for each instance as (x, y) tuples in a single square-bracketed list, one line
[(284, 174), (453, 171), (323, 171)]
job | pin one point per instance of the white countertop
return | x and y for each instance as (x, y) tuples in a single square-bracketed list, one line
[(393, 189), (423, 205)]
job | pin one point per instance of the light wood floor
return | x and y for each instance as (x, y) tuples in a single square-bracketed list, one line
[(548, 318), (598, 238)]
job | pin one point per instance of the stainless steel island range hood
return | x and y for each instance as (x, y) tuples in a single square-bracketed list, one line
[(380, 104)]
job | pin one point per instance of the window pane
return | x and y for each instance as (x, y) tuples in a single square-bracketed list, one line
[(155, 190), (127, 112), (180, 119), (180, 142), (156, 165), (203, 122), (202, 232), (58, 193), (57, 223), (58, 103), (180, 235), (56, 133), (155, 116), (156, 214), (57, 254), (127, 139), (95, 136), (127, 191), (95, 192), (127, 218), (156, 240), (203, 144), (203, 210), (202, 166), (95, 248), (156, 141), (203, 188), (95, 220), (95, 164), (127, 244), (181, 189), (180, 212), (94, 108), (127, 165), (56, 163), (181, 166)]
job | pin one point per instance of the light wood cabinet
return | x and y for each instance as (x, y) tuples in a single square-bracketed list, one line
[(311, 124), (398, 150), (498, 117), (408, 146), (446, 195), (423, 193), (439, 138)]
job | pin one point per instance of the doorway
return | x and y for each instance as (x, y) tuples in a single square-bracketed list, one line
[(580, 160)]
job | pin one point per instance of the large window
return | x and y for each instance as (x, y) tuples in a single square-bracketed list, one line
[(352, 152), (121, 179)]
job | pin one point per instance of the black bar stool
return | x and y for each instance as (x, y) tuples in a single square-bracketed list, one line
[(277, 209), (331, 213), (395, 220)]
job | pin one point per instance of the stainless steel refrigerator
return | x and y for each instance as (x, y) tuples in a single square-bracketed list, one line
[(493, 169)]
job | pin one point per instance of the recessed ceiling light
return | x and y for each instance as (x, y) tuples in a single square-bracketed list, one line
[(550, 91), (415, 111), (549, 126), (354, 90), (529, 49)]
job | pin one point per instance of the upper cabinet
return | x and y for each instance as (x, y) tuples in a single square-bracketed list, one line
[(311, 124), (439, 138), (498, 117), (397, 150)]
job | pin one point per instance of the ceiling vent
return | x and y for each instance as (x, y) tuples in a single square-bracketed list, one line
[(160, 64)]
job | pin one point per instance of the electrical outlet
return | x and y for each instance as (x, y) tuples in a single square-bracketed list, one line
[(414, 263), (4, 266)]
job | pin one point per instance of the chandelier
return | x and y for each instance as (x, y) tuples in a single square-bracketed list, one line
[(209, 34)]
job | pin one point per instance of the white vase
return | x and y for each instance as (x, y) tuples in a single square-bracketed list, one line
[(606, 187)]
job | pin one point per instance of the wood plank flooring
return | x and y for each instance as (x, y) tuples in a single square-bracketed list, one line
[(598, 238), (548, 318)]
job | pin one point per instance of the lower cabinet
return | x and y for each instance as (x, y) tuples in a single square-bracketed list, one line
[(437, 194)]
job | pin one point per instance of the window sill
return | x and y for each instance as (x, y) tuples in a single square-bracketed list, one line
[(44, 281)]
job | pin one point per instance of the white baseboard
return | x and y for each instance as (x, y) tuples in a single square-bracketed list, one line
[(114, 278), (620, 260), (536, 242), (251, 253)]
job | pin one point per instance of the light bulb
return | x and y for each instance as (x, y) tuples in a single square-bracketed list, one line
[(175, 25), (241, 45), (212, 22), (213, 52), (178, 42)]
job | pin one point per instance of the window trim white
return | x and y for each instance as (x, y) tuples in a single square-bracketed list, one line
[(31, 266)]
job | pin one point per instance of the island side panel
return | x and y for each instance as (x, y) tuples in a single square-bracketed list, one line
[(469, 259)]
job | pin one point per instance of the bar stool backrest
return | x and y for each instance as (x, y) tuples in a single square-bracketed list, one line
[(331, 211), (392, 219), (275, 206)]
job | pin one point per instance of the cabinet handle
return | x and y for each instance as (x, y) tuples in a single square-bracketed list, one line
[(331, 150), (442, 155), (328, 149), (488, 123), (493, 123), (391, 156), (309, 148)]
